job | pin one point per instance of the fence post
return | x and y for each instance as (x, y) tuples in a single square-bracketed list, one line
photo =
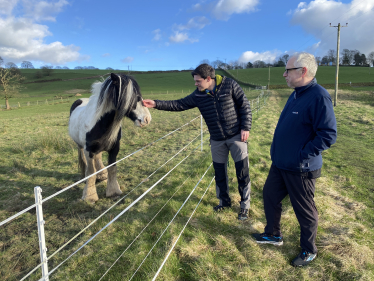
[(41, 222), (201, 119)]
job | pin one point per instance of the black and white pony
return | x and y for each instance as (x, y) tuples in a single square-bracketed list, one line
[(95, 126)]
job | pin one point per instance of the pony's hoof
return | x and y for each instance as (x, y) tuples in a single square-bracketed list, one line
[(100, 178), (91, 198), (114, 194)]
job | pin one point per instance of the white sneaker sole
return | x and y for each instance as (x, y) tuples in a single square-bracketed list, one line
[(271, 242)]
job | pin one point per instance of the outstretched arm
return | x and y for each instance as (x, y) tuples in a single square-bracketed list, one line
[(149, 103)]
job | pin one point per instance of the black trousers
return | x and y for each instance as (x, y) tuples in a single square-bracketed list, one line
[(300, 188)]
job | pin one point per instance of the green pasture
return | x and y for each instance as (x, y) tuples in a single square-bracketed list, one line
[(325, 75), (166, 82), (37, 151)]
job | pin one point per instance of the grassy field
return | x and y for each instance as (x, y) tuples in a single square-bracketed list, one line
[(36, 150), (325, 75), (166, 82)]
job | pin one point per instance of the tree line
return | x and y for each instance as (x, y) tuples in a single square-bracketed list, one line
[(346, 57)]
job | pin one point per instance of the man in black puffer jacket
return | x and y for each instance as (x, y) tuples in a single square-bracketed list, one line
[(228, 116)]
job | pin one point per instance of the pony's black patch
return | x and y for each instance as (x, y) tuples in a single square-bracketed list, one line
[(75, 105), (94, 138)]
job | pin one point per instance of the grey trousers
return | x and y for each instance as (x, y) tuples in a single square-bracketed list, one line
[(239, 152)]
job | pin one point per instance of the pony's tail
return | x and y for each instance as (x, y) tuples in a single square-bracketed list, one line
[(82, 163)]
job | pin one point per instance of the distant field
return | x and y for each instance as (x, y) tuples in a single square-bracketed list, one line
[(171, 82), (325, 75)]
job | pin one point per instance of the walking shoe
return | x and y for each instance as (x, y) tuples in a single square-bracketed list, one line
[(303, 259), (263, 238), (243, 214), (220, 208)]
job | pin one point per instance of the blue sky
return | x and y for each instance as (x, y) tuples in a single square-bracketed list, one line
[(164, 35)]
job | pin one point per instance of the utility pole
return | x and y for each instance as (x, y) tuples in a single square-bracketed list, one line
[(337, 63)]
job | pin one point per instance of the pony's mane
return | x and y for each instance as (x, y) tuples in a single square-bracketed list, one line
[(120, 95)]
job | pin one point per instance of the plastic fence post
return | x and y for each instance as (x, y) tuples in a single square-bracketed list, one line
[(41, 222)]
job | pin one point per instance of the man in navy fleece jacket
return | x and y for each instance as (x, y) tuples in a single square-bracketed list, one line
[(306, 127)]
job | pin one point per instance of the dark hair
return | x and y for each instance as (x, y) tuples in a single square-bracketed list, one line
[(204, 70)]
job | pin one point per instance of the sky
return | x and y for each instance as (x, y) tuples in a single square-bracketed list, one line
[(176, 35)]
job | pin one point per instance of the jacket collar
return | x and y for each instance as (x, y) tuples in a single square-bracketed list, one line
[(299, 91)]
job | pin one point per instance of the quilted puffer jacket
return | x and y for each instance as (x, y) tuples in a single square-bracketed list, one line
[(226, 111)]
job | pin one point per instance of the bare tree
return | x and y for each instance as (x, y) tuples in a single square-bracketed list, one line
[(27, 64), (347, 57), (331, 55), (10, 65), (65, 67), (370, 58), (10, 84), (205, 61), (47, 70), (284, 58), (259, 64), (318, 60)]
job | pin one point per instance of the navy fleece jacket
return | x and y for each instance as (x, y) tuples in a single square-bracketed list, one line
[(305, 128)]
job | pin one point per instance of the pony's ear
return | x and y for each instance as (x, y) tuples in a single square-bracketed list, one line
[(114, 77)]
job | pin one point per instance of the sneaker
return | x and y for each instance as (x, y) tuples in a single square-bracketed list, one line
[(303, 259), (220, 208), (263, 238), (243, 214)]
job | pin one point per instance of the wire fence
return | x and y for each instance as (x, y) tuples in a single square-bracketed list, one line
[(256, 105), (40, 102)]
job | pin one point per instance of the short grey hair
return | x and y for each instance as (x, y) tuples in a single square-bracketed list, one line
[(307, 60)]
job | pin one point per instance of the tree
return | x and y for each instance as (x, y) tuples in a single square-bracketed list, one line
[(78, 67), (27, 64), (65, 67), (58, 67), (259, 64), (357, 59), (279, 63), (249, 65), (331, 55), (325, 60), (371, 58), (109, 68), (205, 61), (10, 84), (284, 58), (47, 70), (363, 60), (10, 65), (347, 57), (318, 60), (1, 61)]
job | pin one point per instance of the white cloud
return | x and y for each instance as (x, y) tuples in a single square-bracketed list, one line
[(223, 9), (22, 39), (127, 60), (194, 23), (180, 37), (42, 10), (267, 56), (105, 55), (6, 6), (157, 34), (315, 17)]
